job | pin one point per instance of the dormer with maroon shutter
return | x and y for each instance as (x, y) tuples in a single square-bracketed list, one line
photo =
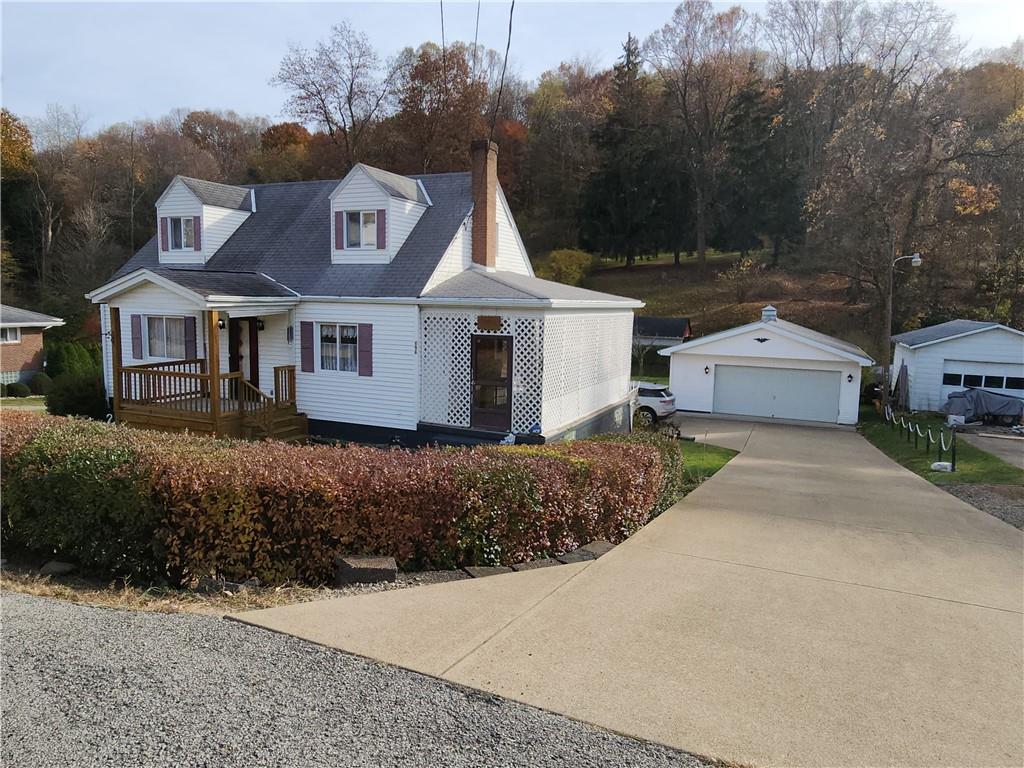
[(372, 213), (196, 217)]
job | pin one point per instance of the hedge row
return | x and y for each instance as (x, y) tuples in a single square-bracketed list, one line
[(160, 506)]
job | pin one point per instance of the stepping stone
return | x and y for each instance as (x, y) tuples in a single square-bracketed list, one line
[(353, 569), (57, 568), (598, 547), (479, 571), (547, 562)]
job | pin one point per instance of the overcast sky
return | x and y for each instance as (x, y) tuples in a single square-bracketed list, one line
[(118, 61)]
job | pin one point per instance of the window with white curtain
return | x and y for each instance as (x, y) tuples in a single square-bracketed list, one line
[(182, 233), (338, 345), (361, 229), (165, 337)]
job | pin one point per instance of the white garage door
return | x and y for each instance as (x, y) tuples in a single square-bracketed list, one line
[(778, 393)]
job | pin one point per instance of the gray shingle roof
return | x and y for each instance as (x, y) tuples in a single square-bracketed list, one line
[(208, 282), (475, 284), (396, 185), (941, 331), (288, 238), (17, 316), (664, 327), (220, 195)]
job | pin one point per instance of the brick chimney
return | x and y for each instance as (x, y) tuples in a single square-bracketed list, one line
[(484, 158)]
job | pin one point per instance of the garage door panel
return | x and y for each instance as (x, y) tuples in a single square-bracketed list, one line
[(778, 393)]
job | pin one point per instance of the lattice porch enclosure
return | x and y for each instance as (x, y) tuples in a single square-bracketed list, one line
[(446, 366)]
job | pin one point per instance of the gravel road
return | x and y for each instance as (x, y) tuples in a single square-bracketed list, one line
[(85, 686)]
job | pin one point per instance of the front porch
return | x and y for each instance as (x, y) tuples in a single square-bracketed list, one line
[(195, 395)]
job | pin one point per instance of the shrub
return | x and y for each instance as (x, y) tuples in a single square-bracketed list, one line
[(78, 394), (40, 383), (742, 277), (670, 451), (18, 389), (71, 357), (3, 390), (567, 266), (123, 501)]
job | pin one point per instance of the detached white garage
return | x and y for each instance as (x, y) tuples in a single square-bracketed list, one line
[(769, 369)]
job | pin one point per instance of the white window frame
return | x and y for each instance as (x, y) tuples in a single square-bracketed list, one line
[(185, 246), (145, 336), (337, 345), (16, 339), (362, 223)]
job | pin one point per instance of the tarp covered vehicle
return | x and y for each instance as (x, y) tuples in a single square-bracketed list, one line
[(980, 404)]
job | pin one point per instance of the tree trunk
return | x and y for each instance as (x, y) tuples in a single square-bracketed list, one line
[(675, 257), (701, 226), (776, 250)]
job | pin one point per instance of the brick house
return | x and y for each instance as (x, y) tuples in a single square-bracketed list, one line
[(21, 342)]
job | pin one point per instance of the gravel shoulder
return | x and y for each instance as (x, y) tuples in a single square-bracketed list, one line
[(1003, 501), (92, 686)]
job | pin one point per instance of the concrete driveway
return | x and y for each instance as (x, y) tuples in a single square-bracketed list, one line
[(1008, 448), (812, 604)]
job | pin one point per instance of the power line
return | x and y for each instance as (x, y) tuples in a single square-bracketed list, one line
[(476, 36), (504, 66), (444, 58)]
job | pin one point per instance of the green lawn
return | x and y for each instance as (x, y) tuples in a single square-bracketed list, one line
[(31, 403), (701, 461), (973, 465)]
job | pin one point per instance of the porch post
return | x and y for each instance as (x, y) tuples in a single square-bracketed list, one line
[(213, 366), (115, 356)]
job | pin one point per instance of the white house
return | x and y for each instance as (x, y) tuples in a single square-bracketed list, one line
[(769, 369), (956, 355), (376, 306)]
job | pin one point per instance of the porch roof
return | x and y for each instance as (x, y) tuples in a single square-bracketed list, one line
[(478, 285), (209, 289)]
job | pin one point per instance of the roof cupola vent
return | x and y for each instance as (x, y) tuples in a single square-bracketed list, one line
[(769, 314)]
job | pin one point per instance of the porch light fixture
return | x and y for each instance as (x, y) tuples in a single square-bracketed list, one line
[(849, 378), (259, 324), (707, 370), (221, 324)]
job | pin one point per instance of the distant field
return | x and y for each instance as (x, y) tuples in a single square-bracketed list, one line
[(817, 301)]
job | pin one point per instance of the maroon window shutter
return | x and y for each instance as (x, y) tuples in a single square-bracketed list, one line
[(364, 349), (306, 345), (137, 337), (197, 232), (382, 229), (163, 234), (339, 230), (191, 352)]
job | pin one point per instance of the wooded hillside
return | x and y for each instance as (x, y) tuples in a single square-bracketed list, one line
[(822, 140)]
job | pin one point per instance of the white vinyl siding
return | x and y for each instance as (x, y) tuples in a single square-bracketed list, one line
[(457, 258), (388, 398), (357, 192), (511, 255), (218, 225), (926, 365)]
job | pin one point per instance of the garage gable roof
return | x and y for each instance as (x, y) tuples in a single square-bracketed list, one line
[(953, 329), (799, 333)]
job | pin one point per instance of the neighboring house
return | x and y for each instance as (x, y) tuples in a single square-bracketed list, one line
[(958, 354), (377, 305), (21, 342), (660, 331), (770, 369)]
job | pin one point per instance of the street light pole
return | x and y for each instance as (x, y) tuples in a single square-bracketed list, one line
[(915, 261)]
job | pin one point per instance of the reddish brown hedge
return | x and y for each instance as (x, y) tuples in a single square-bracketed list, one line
[(123, 500)]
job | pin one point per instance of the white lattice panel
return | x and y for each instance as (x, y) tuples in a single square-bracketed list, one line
[(446, 366), (587, 363)]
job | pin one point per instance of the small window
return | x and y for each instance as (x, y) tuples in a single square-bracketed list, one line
[(1015, 382), (994, 382), (182, 233), (165, 337), (952, 379), (10, 335), (361, 229), (338, 345), (972, 380)]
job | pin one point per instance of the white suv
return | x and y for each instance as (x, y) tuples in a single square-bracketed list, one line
[(653, 402)]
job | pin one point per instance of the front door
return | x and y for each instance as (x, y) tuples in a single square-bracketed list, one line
[(492, 383), (243, 348)]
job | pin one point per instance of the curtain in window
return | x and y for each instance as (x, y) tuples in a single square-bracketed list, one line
[(329, 347), (369, 229), (352, 240), (347, 347), (157, 340), (175, 337)]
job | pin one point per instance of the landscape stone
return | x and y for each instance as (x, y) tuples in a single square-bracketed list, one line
[(576, 556), (358, 569), (57, 568), (531, 564), (479, 571), (598, 547)]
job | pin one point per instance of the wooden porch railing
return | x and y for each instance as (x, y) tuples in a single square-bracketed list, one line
[(284, 384), (179, 384)]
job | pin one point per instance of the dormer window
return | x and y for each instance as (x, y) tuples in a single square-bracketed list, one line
[(182, 233), (361, 229)]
